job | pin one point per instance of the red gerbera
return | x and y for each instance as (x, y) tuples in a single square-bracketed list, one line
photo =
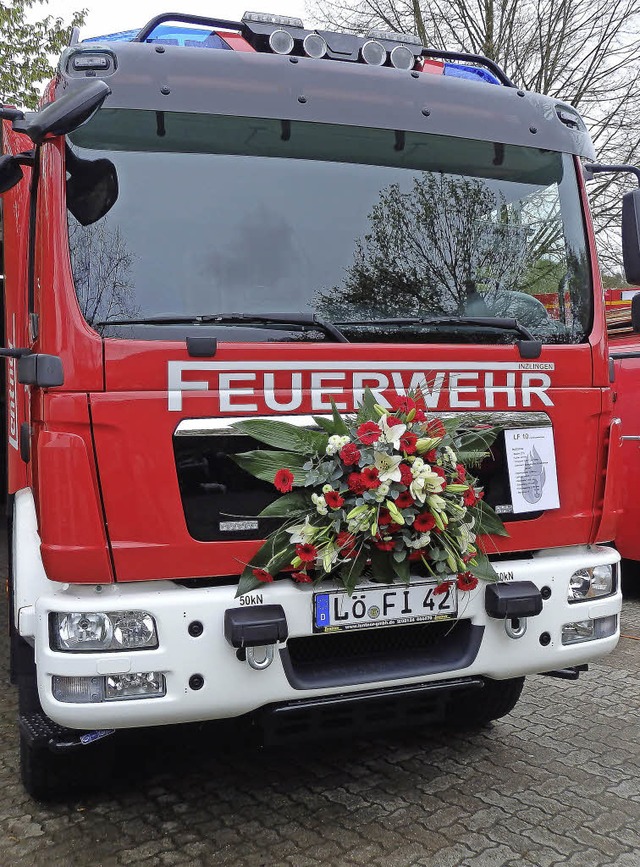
[(408, 442), (349, 454), (346, 542), (333, 499), (424, 522), (384, 545), (384, 518), (469, 497), (262, 575), (301, 578), (435, 428), (402, 403), (283, 481), (306, 552), (416, 555), (442, 588), (370, 478), (356, 483), (369, 433), (404, 500), (406, 476), (466, 581)]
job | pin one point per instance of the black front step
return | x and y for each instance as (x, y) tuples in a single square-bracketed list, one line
[(368, 711), (40, 731)]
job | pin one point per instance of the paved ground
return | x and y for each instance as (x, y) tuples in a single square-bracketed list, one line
[(557, 782)]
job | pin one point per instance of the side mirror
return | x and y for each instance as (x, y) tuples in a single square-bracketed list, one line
[(92, 188), (10, 173), (635, 312), (65, 114), (631, 236)]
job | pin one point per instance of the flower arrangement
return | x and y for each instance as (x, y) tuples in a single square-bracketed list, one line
[(388, 489)]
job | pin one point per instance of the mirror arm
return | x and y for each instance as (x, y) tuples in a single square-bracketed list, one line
[(590, 169), (8, 113)]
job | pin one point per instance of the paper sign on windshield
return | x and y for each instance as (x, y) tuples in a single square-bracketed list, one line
[(533, 477)]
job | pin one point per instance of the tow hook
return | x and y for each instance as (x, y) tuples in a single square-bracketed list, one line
[(254, 632), (513, 602)]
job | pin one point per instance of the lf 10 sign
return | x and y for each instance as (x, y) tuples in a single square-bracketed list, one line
[(533, 476)]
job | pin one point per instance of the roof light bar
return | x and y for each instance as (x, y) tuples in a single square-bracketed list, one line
[(392, 36), (268, 18)]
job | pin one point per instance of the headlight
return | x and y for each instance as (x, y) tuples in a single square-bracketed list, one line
[(591, 582), (589, 630), (82, 631)]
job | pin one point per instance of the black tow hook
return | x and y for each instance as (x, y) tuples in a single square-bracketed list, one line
[(571, 673), (259, 626)]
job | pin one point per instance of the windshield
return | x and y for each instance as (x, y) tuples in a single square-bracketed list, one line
[(178, 216)]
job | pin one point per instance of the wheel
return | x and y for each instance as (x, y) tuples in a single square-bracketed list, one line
[(476, 709)]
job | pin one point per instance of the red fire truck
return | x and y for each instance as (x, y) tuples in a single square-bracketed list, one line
[(210, 220)]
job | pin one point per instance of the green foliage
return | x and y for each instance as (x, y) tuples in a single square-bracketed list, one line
[(26, 44), (264, 464), (283, 435), (487, 522)]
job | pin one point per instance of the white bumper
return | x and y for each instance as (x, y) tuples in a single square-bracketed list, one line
[(232, 688)]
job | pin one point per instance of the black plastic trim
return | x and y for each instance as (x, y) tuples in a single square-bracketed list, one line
[(455, 653)]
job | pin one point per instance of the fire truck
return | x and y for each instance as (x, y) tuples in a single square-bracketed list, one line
[(208, 221)]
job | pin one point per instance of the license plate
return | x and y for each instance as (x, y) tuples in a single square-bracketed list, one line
[(383, 606)]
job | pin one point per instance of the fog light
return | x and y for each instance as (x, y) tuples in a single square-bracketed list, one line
[(281, 42), (402, 57), (82, 690), (142, 685), (78, 689), (589, 630), (591, 582), (314, 45), (374, 53), (82, 631)]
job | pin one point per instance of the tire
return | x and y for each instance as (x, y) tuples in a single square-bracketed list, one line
[(476, 709)]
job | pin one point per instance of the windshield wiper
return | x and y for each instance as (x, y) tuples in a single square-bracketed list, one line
[(301, 320), (480, 321)]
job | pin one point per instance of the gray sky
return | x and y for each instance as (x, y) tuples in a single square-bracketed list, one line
[(111, 17)]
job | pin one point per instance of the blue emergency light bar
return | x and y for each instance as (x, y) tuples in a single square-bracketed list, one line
[(204, 34)]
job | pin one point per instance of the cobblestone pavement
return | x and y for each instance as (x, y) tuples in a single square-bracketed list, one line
[(556, 782)]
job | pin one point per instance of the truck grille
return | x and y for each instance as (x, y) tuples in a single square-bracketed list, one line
[(221, 501)]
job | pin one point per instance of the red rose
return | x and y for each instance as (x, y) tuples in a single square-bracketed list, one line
[(442, 588), (431, 456), (469, 497), (462, 473), (406, 476), (408, 442), (404, 500), (370, 478), (369, 433), (424, 522), (402, 403), (263, 575), (392, 421), (283, 481), (346, 542), (439, 472), (301, 578), (356, 483), (383, 545), (416, 555), (349, 454), (307, 552), (466, 581), (435, 428), (333, 499), (419, 416)]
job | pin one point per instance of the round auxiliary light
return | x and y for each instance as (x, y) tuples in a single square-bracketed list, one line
[(314, 45), (374, 53), (281, 42), (402, 57)]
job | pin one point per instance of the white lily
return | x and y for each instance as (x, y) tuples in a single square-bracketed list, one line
[(391, 433), (417, 489), (301, 534), (388, 466)]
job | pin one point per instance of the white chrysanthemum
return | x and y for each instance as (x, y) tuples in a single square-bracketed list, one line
[(320, 503)]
